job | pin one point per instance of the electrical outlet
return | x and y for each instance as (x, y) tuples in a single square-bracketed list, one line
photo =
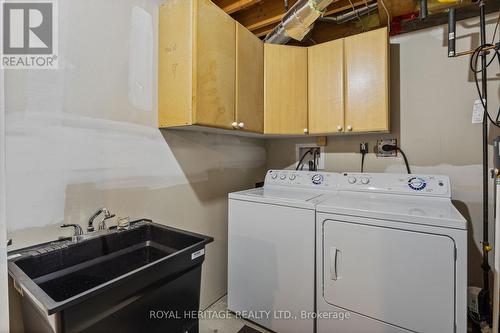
[(303, 148), (382, 153), (363, 148)]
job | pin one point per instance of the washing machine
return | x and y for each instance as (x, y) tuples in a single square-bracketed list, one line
[(271, 249), (391, 256)]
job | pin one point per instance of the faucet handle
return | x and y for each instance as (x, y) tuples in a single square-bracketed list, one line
[(77, 228)]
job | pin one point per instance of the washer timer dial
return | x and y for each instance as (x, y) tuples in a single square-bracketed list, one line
[(417, 184), (317, 179)]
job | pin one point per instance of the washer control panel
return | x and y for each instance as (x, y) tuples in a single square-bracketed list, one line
[(424, 185), (308, 179)]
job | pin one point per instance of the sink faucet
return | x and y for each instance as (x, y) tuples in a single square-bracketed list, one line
[(102, 224), (78, 229)]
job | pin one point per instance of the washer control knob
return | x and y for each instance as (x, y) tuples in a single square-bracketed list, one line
[(349, 128), (292, 177), (241, 125), (417, 184), (234, 124), (317, 179), (365, 180), (274, 176), (283, 177), (351, 180)]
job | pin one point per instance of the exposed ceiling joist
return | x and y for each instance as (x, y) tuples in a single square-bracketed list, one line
[(232, 6), (395, 8), (264, 16)]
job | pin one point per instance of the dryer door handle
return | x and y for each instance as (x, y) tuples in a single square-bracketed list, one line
[(334, 254)]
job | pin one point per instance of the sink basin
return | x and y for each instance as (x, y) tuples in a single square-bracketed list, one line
[(69, 284)]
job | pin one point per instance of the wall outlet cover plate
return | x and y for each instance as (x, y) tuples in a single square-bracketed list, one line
[(381, 143), (300, 150)]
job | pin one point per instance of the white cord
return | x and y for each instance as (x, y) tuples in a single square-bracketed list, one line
[(359, 18), (388, 15)]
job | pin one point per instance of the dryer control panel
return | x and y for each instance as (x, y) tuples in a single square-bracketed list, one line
[(421, 185), (303, 179)]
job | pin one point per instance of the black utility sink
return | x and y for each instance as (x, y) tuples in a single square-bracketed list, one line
[(113, 280)]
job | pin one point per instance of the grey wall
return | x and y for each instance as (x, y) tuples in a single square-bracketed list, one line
[(431, 110), (86, 136)]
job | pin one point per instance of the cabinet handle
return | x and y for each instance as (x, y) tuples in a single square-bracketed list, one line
[(349, 128), (241, 125), (306, 131), (234, 124), (339, 128)]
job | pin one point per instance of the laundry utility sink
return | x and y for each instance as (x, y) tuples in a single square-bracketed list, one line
[(112, 280)]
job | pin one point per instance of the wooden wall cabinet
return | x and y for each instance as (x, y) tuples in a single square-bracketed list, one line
[(285, 89), (215, 73), (326, 87), (367, 82), (249, 81), (349, 84), (197, 59)]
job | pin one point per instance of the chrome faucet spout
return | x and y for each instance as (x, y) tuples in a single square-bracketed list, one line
[(102, 224)]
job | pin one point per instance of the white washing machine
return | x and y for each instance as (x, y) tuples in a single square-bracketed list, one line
[(271, 249), (391, 256)]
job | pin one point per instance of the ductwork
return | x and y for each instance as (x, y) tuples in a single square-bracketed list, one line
[(345, 17), (298, 21)]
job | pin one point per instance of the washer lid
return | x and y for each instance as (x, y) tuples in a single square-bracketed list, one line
[(279, 196), (418, 210)]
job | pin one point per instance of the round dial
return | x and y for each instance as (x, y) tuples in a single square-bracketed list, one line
[(365, 180), (416, 183), (274, 176), (352, 180), (292, 177), (317, 179), (283, 177)]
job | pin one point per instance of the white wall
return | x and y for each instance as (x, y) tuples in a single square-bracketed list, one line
[(86, 136), (431, 110)]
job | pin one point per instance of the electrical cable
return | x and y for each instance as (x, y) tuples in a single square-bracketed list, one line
[(302, 160), (316, 159), (392, 148), (473, 67), (362, 162)]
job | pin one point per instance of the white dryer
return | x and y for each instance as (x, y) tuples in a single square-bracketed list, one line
[(271, 249), (391, 256)]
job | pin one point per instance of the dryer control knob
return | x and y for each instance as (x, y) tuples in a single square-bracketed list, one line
[(283, 177), (274, 176), (365, 180), (292, 177), (351, 180)]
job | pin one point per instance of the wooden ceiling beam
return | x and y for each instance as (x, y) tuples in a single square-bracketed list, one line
[(395, 8), (232, 6)]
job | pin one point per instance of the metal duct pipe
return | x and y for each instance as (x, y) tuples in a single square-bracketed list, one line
[(298, 21), (342, 18)]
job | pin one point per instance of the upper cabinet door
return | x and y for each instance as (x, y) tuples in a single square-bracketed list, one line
[(367, 82), (285, 89), (215, 66), (326, 87), (249, 81)]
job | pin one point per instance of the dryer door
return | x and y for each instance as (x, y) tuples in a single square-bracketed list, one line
[(400, 277)]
